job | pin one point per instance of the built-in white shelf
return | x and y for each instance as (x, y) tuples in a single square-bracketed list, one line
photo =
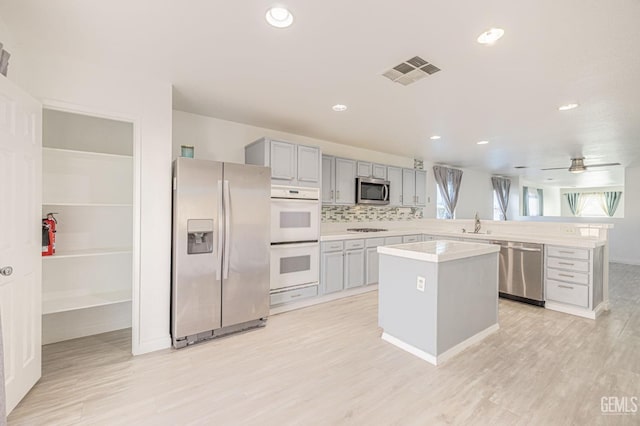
[(55, 304), (72, 152), (46, 203), (87, 253)]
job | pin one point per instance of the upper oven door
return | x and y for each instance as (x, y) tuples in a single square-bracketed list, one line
[(294, 220), (372, 191)]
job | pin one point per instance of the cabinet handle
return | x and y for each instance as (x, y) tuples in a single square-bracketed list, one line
[(337, 194), (565, 263), (567, 252), (401, 198), (567, 275), (565, 286), (331, 196)]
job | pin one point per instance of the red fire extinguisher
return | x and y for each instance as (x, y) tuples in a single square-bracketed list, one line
[(49, 234)]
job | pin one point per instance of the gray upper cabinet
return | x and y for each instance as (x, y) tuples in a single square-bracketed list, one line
[(328, 179), (345, 181), (308, 164), (421, 188), (379, 171), (364, 169), (283, 161), (291, 164), (394, 176), (408, 187)]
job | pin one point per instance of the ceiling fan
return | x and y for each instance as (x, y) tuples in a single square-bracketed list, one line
[(578, 166)]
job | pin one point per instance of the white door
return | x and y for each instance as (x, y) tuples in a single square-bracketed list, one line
[(21, 239)]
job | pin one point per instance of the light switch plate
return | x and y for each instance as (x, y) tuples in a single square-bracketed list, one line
[(420, 282)]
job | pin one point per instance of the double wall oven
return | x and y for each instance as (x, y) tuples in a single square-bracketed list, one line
[(295, 235)]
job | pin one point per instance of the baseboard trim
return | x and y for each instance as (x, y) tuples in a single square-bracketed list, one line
[(448, 354), (322, 299), (634, 262), (580, 312), (153, 345)]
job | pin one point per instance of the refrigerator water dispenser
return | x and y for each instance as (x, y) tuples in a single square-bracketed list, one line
[(199, 236)]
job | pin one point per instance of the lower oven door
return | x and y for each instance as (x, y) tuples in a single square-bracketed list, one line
[(294, 264), (294, 220)]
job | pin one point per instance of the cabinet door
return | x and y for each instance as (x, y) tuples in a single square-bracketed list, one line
[(372, 265), (394, 176), (353, 268), (364, 169), (308, 164), (379, 171), (328, 179), (283, 160), (345, 181), (332, 272), (408, 187), (421, 188)]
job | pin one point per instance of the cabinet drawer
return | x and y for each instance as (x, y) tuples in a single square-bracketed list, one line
[(374, 242), (568, 252), (332, 246), (410, 239), (292, 295), (392, 240), (568, 293), (353, 244), (569, 264), (568, 276)]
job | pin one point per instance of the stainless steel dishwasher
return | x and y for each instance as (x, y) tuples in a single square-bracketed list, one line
[(520, 273)]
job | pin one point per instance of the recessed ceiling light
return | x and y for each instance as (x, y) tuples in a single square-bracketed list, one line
[(567, 107), (279, 17), (434, 137), (339, 107), (482, 142), (490, 36)]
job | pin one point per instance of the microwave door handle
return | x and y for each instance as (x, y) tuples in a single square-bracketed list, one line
[(385, 193), (227, 229), (220, 232)]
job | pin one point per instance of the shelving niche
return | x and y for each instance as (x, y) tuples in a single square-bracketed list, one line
[(88, 181)]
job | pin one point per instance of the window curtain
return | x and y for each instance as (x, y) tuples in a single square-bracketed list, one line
[(525, 201), (576, 202), (448, 181), (610, 202), (501, 186)]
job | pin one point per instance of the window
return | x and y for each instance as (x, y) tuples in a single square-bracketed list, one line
[(533, 202), (592, 206)]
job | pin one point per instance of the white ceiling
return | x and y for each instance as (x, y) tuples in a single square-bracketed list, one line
[(225, 61)]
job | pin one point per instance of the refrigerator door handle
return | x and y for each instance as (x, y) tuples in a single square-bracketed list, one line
[(227, 229), (220, 235)]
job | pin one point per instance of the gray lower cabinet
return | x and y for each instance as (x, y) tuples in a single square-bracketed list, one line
[(574, 279), (332, 267), (353, 263), (371, 259), (392, 240), (411, 238)]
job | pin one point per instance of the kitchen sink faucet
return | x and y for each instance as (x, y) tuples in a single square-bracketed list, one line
[(477, 226)]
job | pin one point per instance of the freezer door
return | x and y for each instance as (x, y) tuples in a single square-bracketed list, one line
[(245, 289), (196, 254)]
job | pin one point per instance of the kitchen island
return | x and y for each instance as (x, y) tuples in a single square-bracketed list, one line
[(437, 298)]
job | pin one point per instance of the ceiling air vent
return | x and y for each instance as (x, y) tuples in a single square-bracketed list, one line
[(410, 71)]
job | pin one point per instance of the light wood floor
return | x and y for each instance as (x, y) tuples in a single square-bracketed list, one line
[(326, 365)]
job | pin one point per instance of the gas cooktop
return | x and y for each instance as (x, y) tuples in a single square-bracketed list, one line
[(366, 229)]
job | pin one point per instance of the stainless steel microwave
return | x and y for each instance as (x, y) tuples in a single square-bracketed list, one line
[(372, 191)]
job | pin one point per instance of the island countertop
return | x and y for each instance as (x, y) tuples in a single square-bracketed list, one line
[(439, 250)]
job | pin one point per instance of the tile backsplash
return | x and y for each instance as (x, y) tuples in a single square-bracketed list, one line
[(369, 214)]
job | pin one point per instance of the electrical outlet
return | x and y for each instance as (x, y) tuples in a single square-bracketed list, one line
[(420, 283)]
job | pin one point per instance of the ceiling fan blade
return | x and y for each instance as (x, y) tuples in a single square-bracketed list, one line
[(602, 165), (556, 168)]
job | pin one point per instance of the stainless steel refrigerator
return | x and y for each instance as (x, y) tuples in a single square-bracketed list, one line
[(220, 255)]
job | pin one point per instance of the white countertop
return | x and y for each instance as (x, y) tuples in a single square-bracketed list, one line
[(439, 250), (558, 240)]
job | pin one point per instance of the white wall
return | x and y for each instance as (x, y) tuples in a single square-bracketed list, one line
[(67, 83), (624, 239), (221, 140)]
